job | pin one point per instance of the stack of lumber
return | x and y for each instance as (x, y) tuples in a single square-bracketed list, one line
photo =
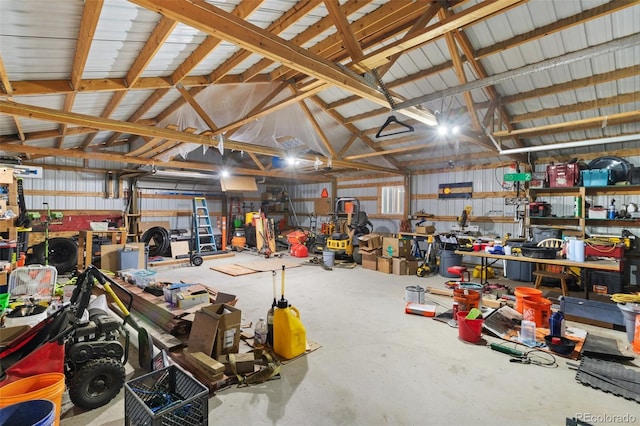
[(156, 310)]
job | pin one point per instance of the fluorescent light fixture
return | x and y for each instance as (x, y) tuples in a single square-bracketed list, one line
[(455, 130), (573, 144), (183, 174), (442, 130)]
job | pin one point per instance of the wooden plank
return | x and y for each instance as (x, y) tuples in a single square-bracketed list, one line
[(160, 339), (260, 235), (211, 366), (167, 262)]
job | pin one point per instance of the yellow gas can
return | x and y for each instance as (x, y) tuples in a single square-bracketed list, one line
[(289, 334)]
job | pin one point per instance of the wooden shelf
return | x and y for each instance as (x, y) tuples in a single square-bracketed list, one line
[(581, 223)]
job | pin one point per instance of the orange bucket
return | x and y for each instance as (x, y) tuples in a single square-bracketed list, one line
[(467, 299), (526, 292), (537, 311), (48, 386)]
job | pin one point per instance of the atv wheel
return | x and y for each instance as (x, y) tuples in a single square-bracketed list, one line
[(96, 383), (357, 257), (63, 254)]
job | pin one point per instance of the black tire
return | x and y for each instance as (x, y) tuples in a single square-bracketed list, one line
[(196, 260), (63, 254), (158, 240), (96, 383), (357, 257)]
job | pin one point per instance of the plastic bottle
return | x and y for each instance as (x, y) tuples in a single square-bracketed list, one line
[(556, 324), (612, 210), (260, 332), (528, 333)]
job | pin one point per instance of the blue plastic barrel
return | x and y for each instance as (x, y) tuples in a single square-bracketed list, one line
[(37, 412)]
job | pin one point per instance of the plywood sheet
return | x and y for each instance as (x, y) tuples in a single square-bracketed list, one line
[(233, 270), (238, 183), (145, 225), (274, 264), (179, 248)]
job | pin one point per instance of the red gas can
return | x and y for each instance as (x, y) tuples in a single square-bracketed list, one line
[(299, 250)]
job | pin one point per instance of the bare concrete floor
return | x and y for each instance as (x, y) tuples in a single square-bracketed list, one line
[(378, 365)]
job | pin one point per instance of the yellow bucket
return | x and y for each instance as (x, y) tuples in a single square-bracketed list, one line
[(48, 386)]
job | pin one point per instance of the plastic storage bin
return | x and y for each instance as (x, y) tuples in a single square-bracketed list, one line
[(539, 234), (599, 177), (611, 280), (127, 259), (520, 271), (563, 175), (168, 396)]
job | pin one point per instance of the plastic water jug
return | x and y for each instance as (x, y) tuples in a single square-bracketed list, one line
[(289, 334), (556, 324)]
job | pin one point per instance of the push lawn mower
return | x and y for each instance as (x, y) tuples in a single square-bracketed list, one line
[(80, 339)]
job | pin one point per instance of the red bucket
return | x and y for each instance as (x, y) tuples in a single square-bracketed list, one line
[(469, 330)]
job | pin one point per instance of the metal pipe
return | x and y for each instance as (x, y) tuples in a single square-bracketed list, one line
[(574, 144), (589, 52)]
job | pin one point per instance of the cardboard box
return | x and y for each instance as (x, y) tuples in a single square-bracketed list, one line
[(245, 363), (394, 247), (430, 229), (322, 206), (370, 242), (216, 330), (187, 300), (370, 259), (400, 266), (403, 266), (385, 265)]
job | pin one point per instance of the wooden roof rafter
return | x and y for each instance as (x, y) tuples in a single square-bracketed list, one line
[(102, 123)]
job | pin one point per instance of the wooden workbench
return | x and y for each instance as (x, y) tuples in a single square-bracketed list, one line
[(606, 265), (85, 244)]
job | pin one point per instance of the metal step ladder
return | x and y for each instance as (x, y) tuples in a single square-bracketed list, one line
[(203, 230)]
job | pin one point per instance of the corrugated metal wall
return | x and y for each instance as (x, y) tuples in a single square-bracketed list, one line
[(84, 191), (483, 181)]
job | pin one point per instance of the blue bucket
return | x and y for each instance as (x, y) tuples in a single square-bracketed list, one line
[(37, 412)]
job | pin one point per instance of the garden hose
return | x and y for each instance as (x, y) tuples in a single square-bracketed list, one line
[(604, 244), (626, 298)]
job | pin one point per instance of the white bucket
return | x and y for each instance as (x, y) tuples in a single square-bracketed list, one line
[(328, 257), (414, 294), (629, 313)]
